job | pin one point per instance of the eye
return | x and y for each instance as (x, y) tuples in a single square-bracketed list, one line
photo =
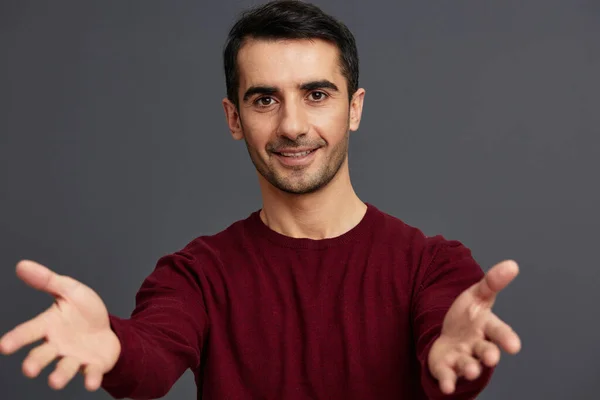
[(264, 101), (318, 96)]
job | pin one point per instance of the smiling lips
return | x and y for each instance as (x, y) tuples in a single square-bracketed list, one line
[(295, 154), (296, 157)]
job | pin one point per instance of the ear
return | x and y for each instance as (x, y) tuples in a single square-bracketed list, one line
[(233, 119), (356, 106)]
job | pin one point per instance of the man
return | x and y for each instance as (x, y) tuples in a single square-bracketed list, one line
[(317, 295)]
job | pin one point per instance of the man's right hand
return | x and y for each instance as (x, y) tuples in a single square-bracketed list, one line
[(75, 329)]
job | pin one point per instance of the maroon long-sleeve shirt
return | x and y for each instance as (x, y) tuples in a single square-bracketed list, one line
[(259, 315)]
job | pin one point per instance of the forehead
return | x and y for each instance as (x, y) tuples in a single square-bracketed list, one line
[(288, 62)]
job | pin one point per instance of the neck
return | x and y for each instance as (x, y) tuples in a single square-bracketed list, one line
[(329, 212)]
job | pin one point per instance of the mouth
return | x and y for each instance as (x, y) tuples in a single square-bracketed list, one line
[(295, 154), (296, 157)]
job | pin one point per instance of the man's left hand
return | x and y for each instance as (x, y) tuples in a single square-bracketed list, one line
[(471, 333)]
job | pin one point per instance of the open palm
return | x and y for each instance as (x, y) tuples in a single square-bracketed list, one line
[(75, 329)]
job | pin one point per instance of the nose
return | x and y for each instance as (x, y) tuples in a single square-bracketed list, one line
[(293, 121)]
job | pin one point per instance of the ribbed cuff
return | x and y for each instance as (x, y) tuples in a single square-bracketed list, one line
[(121, 380)]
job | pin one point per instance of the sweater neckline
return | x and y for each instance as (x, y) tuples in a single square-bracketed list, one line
[(360, 230)]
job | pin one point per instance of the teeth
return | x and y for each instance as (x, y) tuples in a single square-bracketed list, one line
[(296, 154)]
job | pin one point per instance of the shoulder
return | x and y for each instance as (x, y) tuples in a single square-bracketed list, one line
[(438, 266), (394, 231), (214, 245), (428, 251)]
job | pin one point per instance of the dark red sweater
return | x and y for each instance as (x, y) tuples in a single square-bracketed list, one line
[(259, 315)]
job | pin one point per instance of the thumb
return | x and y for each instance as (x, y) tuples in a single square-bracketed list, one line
[(42, 278), (496, 279)]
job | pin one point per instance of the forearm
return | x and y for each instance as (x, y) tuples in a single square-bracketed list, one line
[(450, 271), (153, 356), (164, 335)]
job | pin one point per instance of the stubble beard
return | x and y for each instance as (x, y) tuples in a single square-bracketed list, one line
[(299, 181)]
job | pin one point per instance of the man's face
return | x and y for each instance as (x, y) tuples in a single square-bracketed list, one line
[(294, 114)]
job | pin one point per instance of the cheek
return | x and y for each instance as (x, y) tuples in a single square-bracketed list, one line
[(331, 124), (258, 131)]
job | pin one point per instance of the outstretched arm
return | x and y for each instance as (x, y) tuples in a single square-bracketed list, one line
[(472, 335), (139, 357), (165, 333), (456, 358)]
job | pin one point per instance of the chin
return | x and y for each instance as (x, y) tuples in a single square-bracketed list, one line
[(288, 185), (299, 190)]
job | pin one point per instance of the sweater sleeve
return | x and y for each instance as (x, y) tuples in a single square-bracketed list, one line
[(164, 335), (449, 269)]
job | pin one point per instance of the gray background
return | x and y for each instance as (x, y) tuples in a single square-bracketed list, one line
[(480, 123)]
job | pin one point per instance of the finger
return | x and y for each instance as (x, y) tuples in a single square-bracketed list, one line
[(38, 359), (467, 367), (502, 334), (65, 370), (24, 334), (42, 278), (497, 278), (93, 377), (446, 378), (487, 352)]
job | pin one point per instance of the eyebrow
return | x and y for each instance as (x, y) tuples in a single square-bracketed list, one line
[(308, 86)]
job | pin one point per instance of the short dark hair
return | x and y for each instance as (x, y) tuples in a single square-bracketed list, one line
[(289, 19)]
